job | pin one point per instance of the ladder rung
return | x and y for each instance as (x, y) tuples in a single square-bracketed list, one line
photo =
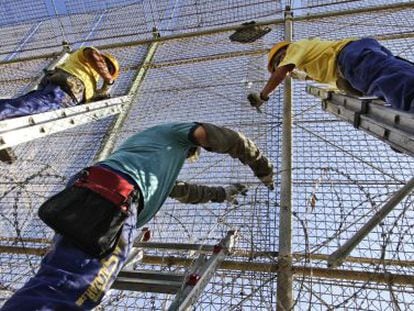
[(391, 126), (19, 130), (154, 275), (147, 285)]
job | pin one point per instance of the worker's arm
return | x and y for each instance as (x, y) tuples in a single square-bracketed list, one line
[(193, 193), (97, 62), (223, 140), (277, 76), (275, 79)]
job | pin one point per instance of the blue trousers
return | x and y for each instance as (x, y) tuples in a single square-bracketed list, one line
[(50, 97), (69, 279), (375, 71)]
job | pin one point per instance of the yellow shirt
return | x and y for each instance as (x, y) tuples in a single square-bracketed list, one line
[(315, 57), (77, 65)]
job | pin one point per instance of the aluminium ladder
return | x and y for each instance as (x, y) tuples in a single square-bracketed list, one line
[(186, 287), (23, 129), (394, 127)]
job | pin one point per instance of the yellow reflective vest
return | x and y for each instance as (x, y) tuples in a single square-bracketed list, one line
[(77, 65)]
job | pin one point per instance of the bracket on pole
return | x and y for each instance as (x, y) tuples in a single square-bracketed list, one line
[(394, 127)]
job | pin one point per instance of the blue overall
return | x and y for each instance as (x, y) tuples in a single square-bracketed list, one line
[(68, 278), (50, 97), (372, 69)]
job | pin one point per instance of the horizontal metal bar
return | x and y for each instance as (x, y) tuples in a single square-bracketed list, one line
[(152, 275), (200, 59), (19, 130), (341, 274), (155, 286), (40, 251), (279, 21), (368, 9)]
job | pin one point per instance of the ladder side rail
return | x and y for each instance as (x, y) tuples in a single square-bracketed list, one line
[(199, 276), (62, 120)]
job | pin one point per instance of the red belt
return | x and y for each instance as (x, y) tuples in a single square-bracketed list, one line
[(106, 183)]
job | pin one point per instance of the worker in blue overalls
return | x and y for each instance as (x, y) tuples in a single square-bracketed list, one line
[(97, 221), (72, 83), (359, 67)]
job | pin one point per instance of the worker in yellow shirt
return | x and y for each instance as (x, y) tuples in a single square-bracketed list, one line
[(72, 83), (359, 67)]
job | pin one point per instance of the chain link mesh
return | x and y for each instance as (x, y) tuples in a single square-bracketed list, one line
[(341, 176)]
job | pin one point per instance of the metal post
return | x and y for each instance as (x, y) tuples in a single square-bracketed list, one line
[(109, 141), (336, 258), (284, 279)]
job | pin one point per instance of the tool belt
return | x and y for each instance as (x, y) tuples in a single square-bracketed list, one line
[(92, 212)]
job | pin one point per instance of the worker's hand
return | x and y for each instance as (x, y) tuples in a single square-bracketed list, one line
[(105, 91), (268, 181), (256, 99), (107, 86), (233, 190), (101, 95), (298, 74)]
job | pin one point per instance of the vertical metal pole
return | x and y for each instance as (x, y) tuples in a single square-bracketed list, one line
[(108, 143), (337, 258), (284, 277)]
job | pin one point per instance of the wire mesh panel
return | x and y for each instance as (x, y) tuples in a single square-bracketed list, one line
[(341, 176)]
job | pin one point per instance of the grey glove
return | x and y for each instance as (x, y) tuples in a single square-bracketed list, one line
[(256, 99), (268, 181), (233, 190), (101, 95), (105, 91), (299, 75)]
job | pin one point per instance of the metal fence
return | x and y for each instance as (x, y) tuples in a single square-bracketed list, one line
[(340, 176)]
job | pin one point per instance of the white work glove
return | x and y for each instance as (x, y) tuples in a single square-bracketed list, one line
[(268, 181), (298, 74), (256, 99), (233, 190)]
